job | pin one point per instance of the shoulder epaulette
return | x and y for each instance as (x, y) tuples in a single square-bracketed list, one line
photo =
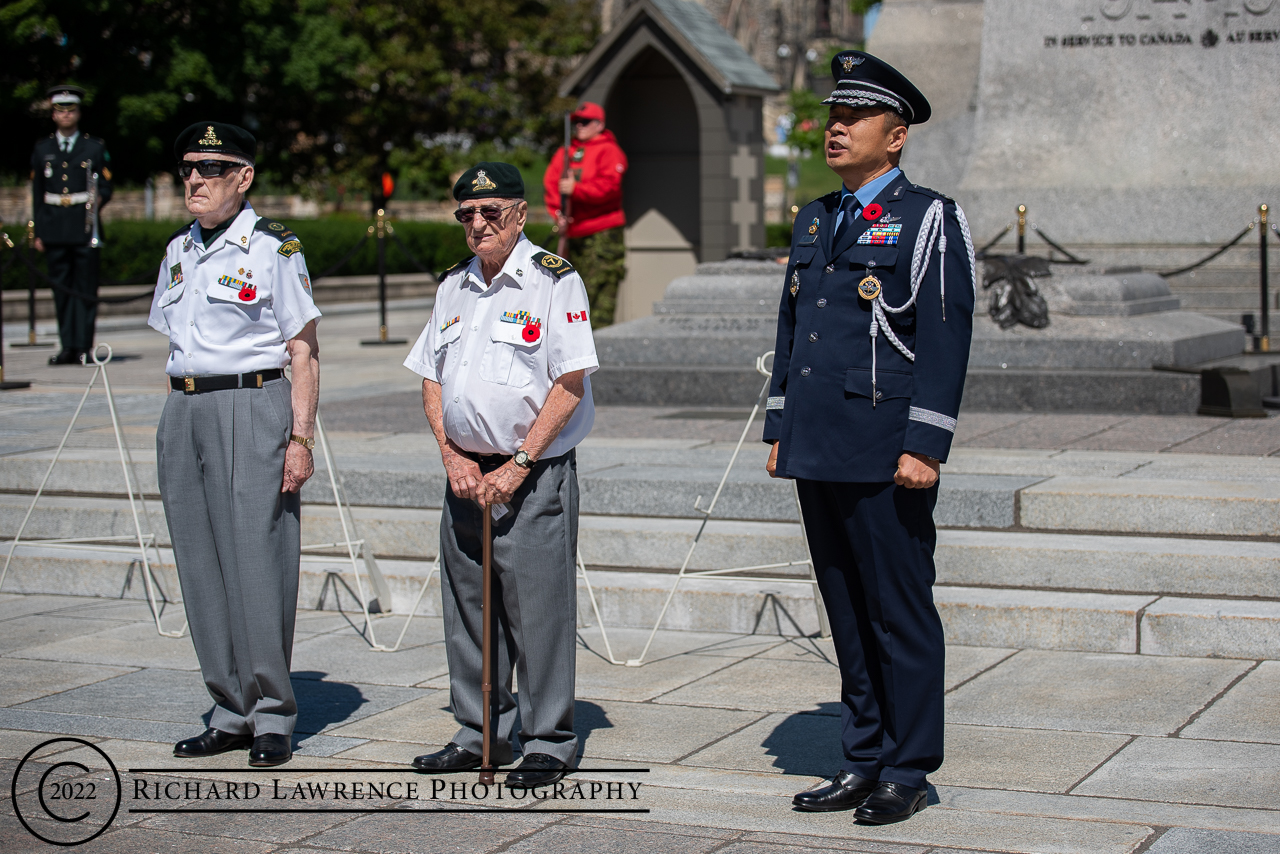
[(553, 264), (933, 194), (289, 242), (180, 232), (278, 230), (443, 273)]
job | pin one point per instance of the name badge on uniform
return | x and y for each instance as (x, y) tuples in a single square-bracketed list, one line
[(885, 234), (450, 322), (175, 275), (813, 233)]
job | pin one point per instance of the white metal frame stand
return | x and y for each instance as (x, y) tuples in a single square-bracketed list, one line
[(734, 573), (435, 568), (357, 549), (145, 541)]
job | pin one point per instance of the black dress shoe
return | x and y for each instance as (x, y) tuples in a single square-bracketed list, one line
[(269, 749), (891, 802), (65, 357), (452, 758), (846, 791), (210, 743), (537, 769)]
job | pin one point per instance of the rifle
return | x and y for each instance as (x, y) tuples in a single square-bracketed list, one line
[(91, 209), (566, 200)]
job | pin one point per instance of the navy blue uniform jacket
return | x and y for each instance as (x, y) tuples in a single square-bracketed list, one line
[(820, 404)]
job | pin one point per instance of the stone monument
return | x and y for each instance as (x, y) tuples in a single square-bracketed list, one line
[(686, 103), (1117, 341), (1138, 132)]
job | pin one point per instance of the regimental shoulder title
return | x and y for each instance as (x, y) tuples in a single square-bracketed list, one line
[(553, 264)]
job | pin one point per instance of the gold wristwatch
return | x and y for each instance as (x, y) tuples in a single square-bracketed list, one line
[(309, 444)]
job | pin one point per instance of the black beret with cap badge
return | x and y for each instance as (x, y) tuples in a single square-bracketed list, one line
[(489, 180), (216, 138)]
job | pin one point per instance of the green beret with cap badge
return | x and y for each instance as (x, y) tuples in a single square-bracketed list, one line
[(489, 180)]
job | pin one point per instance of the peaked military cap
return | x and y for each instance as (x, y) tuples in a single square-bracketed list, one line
[(216, 138), (65, 94), (862, 80), (490, 180)]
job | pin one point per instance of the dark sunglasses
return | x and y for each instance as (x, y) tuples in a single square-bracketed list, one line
[(206, 168), (491, 213)]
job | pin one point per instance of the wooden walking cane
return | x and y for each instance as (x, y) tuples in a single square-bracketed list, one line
[(486, 647)]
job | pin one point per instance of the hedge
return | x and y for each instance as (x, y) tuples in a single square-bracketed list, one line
[(133, 249)]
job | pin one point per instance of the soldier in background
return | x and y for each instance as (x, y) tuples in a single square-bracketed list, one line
[(70, 182), (595, 220)]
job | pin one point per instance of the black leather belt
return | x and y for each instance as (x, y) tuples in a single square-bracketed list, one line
[(489, 459), (197, 385)]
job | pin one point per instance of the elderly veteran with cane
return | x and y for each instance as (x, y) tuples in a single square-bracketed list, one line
[(234, 442), (504, 361), (873, 342)]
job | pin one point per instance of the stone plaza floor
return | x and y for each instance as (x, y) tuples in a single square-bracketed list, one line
[(1047, 750)]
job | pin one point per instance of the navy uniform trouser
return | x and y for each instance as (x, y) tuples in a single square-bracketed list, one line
[(74, 268), (872, 546)]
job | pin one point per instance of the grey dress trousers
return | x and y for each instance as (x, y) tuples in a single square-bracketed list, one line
[(536, 603), (236, 538)]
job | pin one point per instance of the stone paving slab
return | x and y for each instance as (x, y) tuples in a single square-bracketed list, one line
[(1089, 692), (1178, 770), (1184, 840), (996, 758), (1248, 712)]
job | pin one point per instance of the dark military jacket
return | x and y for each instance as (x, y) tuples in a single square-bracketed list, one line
[(66, 220), (832, 422)]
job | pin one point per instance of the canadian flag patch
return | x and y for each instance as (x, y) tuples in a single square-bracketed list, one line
[(575, 316)]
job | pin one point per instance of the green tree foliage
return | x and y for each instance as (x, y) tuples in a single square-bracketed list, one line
[(810, 120), (335, 90)]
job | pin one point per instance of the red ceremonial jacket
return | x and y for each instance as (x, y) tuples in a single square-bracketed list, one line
[(598, 166)]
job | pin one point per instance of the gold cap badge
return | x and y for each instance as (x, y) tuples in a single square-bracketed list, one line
[(849, 62), (482, 182), (210, 138)]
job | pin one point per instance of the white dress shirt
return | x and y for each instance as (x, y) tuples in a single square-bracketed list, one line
[(229, 309), (496, 350)]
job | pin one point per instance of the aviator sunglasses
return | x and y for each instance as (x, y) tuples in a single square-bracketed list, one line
[(206, 168), (491, 213)]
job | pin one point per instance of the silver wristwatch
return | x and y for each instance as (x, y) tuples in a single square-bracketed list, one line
[(523, 459)]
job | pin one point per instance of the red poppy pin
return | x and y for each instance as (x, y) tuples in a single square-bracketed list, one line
[(872, 211), (247, 293), (531, 332)]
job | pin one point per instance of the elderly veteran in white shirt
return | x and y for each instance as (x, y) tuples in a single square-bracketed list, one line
[(504, 361), (234, 442)]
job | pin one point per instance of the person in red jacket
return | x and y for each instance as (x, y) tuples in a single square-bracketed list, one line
[(595, 219)]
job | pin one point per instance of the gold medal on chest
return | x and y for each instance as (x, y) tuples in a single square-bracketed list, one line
[(795, 282), (869, 288)]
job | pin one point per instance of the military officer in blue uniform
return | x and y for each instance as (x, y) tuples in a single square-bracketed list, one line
[(873, 343), (70, 182)]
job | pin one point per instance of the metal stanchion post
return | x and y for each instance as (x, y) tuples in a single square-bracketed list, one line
[(31, 294), (7, 385), (380, 229), (1022, 229), (1264, 342)]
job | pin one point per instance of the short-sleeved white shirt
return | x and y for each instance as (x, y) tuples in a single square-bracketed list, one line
[(496, 350), (229, 309)]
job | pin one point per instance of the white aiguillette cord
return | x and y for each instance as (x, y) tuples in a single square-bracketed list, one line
[(930, 234)]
